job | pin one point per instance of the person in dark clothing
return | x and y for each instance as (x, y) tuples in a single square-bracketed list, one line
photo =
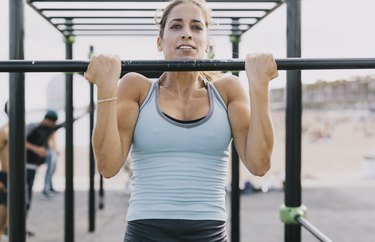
[(37, 148)]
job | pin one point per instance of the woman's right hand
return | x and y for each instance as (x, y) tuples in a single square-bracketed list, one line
[(104, 71)]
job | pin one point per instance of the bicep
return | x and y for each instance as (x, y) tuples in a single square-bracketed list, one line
[(127, 115), (239, 117), (130, 92)]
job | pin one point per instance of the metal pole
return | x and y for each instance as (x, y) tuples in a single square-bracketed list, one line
[(92, 159), (149, 66), (69, 171), (235, 189), (293, 198), (312, 229), (17, 148), (146, 1), (101, 193)]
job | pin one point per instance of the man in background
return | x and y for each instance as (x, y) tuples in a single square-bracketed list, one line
[(37, 148)]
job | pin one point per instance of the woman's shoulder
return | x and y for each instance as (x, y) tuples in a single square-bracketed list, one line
[(228, 86), (135, 80), (226, 79), (135, 85)]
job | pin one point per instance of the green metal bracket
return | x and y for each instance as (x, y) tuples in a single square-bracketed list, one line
[(235, 39), (288, 215), (69, 39)]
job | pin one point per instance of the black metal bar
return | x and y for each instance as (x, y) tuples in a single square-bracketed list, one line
[(135, 24), (146, 9), (101, 193), (102, 32), (69, 156), (17, 148), (133, 34), (92, 160), (151, 28), (214, 1), (235, 188), (268, 12), (187, 65), (42, 15), (312, 229), (136, 17), (92, 165), (293, 198), (154, 30)]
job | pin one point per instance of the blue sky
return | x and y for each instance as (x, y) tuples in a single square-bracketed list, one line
[(330, 29)]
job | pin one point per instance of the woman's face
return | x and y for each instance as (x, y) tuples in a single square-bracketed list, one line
[(185, 34)]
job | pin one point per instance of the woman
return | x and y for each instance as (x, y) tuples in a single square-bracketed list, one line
[(180, 128)]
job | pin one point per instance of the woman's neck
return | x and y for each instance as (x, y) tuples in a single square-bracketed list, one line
[(181, 82)]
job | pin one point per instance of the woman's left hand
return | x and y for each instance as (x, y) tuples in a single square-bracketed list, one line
[(260, 69)]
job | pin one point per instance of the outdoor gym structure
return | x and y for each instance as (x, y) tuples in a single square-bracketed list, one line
[(292, 213)]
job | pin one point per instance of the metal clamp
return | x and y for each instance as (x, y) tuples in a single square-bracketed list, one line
[(289, 215)]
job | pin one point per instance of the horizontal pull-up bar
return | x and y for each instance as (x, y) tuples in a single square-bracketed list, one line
[(187, 65)]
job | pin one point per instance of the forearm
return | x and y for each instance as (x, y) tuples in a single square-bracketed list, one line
[(260, 138), (31, 147), (111, 140), (106, 140)]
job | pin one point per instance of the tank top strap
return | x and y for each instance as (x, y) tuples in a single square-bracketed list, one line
[(212, 88), (151, 91)]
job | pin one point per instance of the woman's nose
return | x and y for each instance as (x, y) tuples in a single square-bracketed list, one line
[(186, 35)]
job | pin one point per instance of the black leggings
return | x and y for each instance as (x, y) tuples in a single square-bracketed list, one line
[(3, 192), (175, 230), (30, 177)]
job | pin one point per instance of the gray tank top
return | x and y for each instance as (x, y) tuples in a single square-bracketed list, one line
[(179, 169)]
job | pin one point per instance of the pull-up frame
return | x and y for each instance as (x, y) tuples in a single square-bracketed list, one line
[(21, 66)]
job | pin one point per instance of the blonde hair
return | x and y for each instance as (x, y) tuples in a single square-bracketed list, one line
[(161, 22)]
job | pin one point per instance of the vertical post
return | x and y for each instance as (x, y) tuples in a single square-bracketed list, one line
[(92, 159), (69, 171), (101, 193), (235, 189), (293, 120), (17, 147)]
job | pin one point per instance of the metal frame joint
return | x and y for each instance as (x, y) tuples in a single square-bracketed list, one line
[(235, 39), (289, 215), (69, 39)]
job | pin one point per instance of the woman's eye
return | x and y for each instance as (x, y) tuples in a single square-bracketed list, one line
[(197, 27), (176, 26)]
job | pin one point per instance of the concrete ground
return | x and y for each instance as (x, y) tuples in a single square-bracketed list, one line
[(345, 213)]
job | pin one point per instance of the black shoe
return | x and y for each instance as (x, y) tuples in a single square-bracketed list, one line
[(53, 190), (30, 233), (46, 194)]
